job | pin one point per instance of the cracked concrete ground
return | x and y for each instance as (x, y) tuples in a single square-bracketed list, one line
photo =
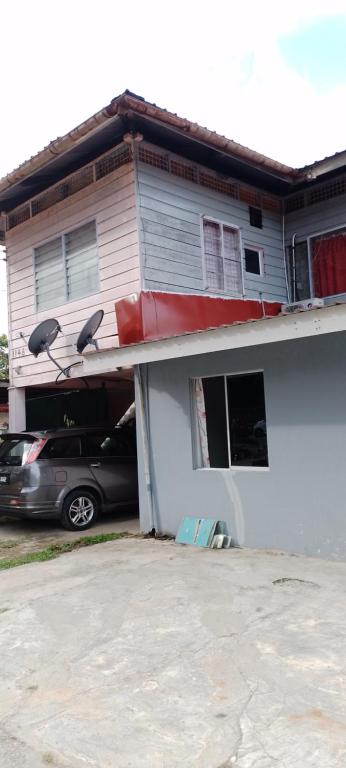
[(144, 654)]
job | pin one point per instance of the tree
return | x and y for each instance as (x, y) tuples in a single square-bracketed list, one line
[(3, 357)]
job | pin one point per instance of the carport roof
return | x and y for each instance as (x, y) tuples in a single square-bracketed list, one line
[(314, 322)]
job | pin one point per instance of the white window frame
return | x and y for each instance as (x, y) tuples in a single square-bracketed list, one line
[(62, 236), (233, 467), (260, 251), (308, 239), (229, 225), (311, 237)]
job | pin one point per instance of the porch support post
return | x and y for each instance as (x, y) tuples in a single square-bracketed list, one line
[(17, 414)]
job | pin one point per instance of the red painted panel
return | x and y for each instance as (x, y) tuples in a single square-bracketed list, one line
[(152, 315), (129, 319)]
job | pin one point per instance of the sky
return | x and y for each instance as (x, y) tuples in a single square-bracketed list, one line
[(270, 75)]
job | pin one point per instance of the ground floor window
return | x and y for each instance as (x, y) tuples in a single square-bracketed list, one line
[(230, 421)]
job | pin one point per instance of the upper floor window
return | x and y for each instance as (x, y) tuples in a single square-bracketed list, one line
[(328, 263), (256, 219), (222, 257), (66, 268), (320, 269), (253, 258)]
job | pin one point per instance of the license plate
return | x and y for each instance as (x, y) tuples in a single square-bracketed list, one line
[(4, 479)]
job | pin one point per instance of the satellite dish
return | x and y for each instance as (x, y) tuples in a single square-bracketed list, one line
[(43, 336), (88, 331), (41, 340)]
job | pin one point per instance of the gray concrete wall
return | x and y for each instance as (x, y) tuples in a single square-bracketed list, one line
[(299, 505)]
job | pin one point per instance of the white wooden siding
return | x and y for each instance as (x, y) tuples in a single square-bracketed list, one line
[(171, 254), (112, 203)]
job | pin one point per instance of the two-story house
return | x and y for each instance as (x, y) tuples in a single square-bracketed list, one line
[(190, 243)]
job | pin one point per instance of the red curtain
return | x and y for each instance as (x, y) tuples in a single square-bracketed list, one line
[(329, 265)]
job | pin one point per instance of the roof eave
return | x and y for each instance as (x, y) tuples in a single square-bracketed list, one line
[(127, 105)]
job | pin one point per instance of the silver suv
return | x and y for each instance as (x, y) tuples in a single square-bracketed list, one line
[(68, 474)]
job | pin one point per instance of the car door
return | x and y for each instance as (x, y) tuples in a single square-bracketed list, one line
[(60, 462), (113, 464)]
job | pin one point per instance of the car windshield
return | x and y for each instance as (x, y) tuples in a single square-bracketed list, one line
[(14, 450)]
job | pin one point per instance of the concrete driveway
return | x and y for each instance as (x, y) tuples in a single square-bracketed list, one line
[(143, 654)]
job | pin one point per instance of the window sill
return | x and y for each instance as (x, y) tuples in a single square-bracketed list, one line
[(231, 469), (253, 275)]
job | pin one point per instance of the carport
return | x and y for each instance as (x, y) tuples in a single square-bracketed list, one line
[(86, 401), (92, 401)]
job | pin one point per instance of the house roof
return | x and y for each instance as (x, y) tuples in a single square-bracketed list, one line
[(130, 112), (325, 165)]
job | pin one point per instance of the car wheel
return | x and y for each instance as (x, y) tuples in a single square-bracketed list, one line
[(80, 510)]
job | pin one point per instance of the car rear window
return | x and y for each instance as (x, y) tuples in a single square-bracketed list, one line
[(61, 448), (109, 444), (14, 450)]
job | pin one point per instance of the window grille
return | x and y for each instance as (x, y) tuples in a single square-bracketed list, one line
[(119, 156), (183, 170), (255, 215), (68, 187), (155, 159), (326, 192), (294, 203), (222, 257), (219, 185), (271, 203), (112, 161), (18, 216), (248, 195)]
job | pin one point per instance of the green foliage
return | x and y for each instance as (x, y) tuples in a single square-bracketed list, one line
[(59, 549), (3, 357)]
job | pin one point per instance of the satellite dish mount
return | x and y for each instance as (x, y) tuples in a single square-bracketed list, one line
[(41, 340), (88, 331)]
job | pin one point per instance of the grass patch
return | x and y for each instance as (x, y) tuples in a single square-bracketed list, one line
[(54, 550)]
